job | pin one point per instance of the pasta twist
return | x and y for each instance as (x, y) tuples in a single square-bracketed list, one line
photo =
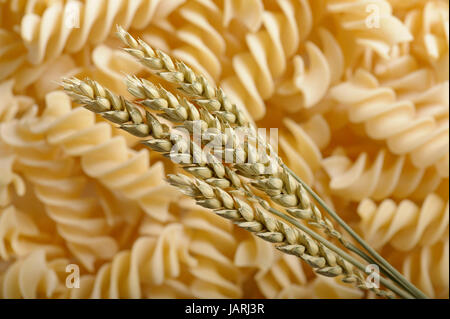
[(428, 267), (105, 157), (378, 178), (370, 23), (277, 275), (9, 180), (302, 146), (59, 186), (134, 273), (268, 50), (429, 24), (202, 44), (20, 235), (71, 25), (34, 277), (424, 139), (12, 53), (324, 288), (175, 260), (275, 282), (404, 225), (420, 85), (315, 71)]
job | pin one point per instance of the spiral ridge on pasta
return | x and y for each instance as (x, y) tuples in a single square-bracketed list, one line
[(268, 51), (303, 145), (20, 235), (427, 267), (70, 25), (404, 225), (429, 25), (380, 177), (274, 282), (395, 121), (59, 187), (315, 71), (104, 156), (131, 273), (12, 53), (179, 261), (371, 24), (10, 182), (34, 277), (202, 44), (276, 275), (212, 245)]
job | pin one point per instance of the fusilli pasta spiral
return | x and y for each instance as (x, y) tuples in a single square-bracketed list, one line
[(70, 25), (384, 176), (386, 118), (404, 225), (34, 277), (428, 269)]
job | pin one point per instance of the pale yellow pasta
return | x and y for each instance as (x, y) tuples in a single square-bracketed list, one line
[(70, 25), (429, 25), (275, 281), (110, 65), (178, 260), (384, 175), (20, 235), (302, 146), (34, 277), (404, 225), (10, 181), (395, 121), (149, 262), (370, 24), (249, 13), (212, 245), (59, 186), (320, 67), (330, 288), (428, 267), (267, 56), (103, 156), (202, 46), (12, 53), (321, 288), (358, 89)]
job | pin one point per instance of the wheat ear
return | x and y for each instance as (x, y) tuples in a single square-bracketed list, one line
[(178, 73), (208, 183), (288, 239), (128, 115), (282, 188), (217, 103)]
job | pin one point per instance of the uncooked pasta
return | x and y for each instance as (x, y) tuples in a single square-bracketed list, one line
[(358, 90)]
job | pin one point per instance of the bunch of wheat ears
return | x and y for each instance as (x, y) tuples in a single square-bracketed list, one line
[(258, 192)]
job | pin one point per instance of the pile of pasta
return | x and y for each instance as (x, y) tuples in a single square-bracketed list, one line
[(357, 88)]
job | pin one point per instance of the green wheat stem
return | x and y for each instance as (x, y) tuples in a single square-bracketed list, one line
[(340, 252), (395, 274)]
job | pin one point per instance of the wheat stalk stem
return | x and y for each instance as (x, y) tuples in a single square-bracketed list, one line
[(213, 110), (210, 182), (323, 256), (385, 265), (216, 101)]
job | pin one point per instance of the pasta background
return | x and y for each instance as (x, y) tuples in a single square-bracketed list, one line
[(357, 88)]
